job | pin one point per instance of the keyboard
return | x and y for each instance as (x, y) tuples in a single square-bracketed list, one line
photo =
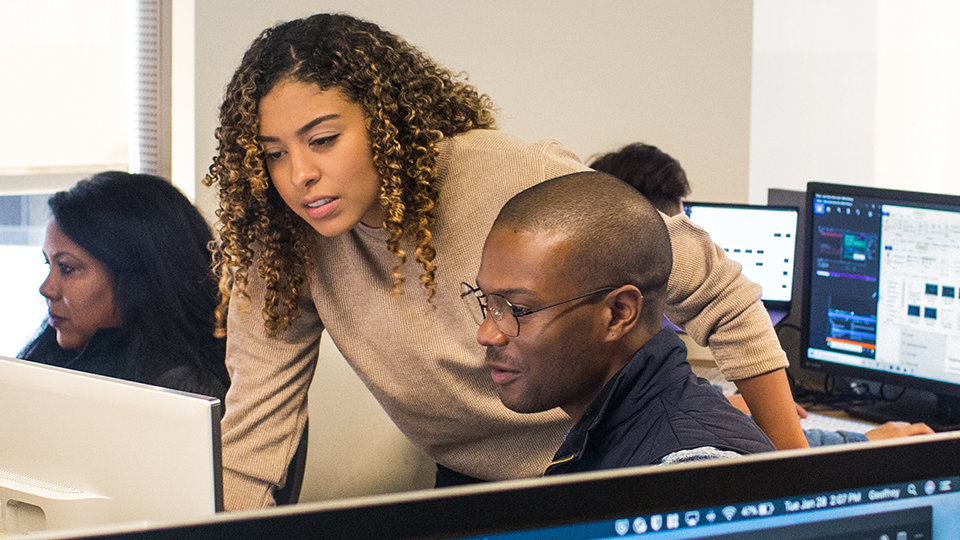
[(831, 423)]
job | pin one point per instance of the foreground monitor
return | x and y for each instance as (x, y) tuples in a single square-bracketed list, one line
[(78, 450), (882, 295), (901, 488)]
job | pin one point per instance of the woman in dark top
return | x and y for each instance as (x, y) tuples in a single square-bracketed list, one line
[(130, 291)]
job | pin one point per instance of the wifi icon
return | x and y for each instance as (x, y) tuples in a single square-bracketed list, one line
[(728, 512)]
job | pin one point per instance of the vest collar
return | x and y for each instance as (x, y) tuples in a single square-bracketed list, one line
[(634, 377)]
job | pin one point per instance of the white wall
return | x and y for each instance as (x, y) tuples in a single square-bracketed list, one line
[(594, 75), (857, 92), (814, 72), (917, 139)]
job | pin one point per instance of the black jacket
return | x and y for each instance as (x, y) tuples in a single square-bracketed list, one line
[(653, 407), (106, 354)]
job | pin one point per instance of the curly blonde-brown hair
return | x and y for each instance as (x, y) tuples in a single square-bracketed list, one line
[(410, 103)]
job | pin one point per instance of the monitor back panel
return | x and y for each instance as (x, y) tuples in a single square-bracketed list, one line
[(125, 450)]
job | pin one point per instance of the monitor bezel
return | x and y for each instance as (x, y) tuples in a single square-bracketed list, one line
[(583, 497), (835, 368), (773, 305)]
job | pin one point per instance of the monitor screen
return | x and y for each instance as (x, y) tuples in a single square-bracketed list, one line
[(78, 449), (843, 491), (881, 291), (763, 239)]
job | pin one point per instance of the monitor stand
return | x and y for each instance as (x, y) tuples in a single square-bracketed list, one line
[(940, 412)]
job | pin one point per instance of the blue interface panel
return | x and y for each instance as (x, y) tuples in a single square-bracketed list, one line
[(921, 510), (883, 286)]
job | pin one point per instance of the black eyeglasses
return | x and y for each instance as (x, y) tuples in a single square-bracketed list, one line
[(505, 315)]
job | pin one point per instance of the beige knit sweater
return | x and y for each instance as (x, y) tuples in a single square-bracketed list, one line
[(422, 362)]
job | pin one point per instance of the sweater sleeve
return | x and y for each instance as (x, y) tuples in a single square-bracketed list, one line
[(819, 437), (716, 305), (266, 404)]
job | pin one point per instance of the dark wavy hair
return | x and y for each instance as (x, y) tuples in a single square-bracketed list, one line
[(651, 171), (156, 246), (409, 102)]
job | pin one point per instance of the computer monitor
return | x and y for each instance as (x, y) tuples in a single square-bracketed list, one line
[(78, 449), (763, 239), (881, 295), (902, 488)]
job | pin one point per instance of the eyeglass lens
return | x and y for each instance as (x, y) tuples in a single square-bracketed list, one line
[(497, 305), (503, 315), (471, 299)]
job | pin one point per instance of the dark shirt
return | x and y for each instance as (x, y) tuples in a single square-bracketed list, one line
[(653, 407), (107, 354)]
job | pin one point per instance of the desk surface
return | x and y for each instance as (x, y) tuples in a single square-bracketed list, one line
[(827, 419)]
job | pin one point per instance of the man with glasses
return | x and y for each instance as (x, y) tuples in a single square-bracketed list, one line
[(569, 299)]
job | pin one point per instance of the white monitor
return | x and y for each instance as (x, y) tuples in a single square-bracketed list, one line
[(80, 450), (763, 239)]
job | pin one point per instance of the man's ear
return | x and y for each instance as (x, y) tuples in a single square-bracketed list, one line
[(626, 304)]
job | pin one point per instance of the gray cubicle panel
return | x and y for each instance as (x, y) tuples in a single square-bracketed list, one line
[(789, 332)]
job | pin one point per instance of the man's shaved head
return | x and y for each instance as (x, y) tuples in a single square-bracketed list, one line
[(619, 237)]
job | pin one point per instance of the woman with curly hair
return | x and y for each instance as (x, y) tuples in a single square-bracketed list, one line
[(352, 166)]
